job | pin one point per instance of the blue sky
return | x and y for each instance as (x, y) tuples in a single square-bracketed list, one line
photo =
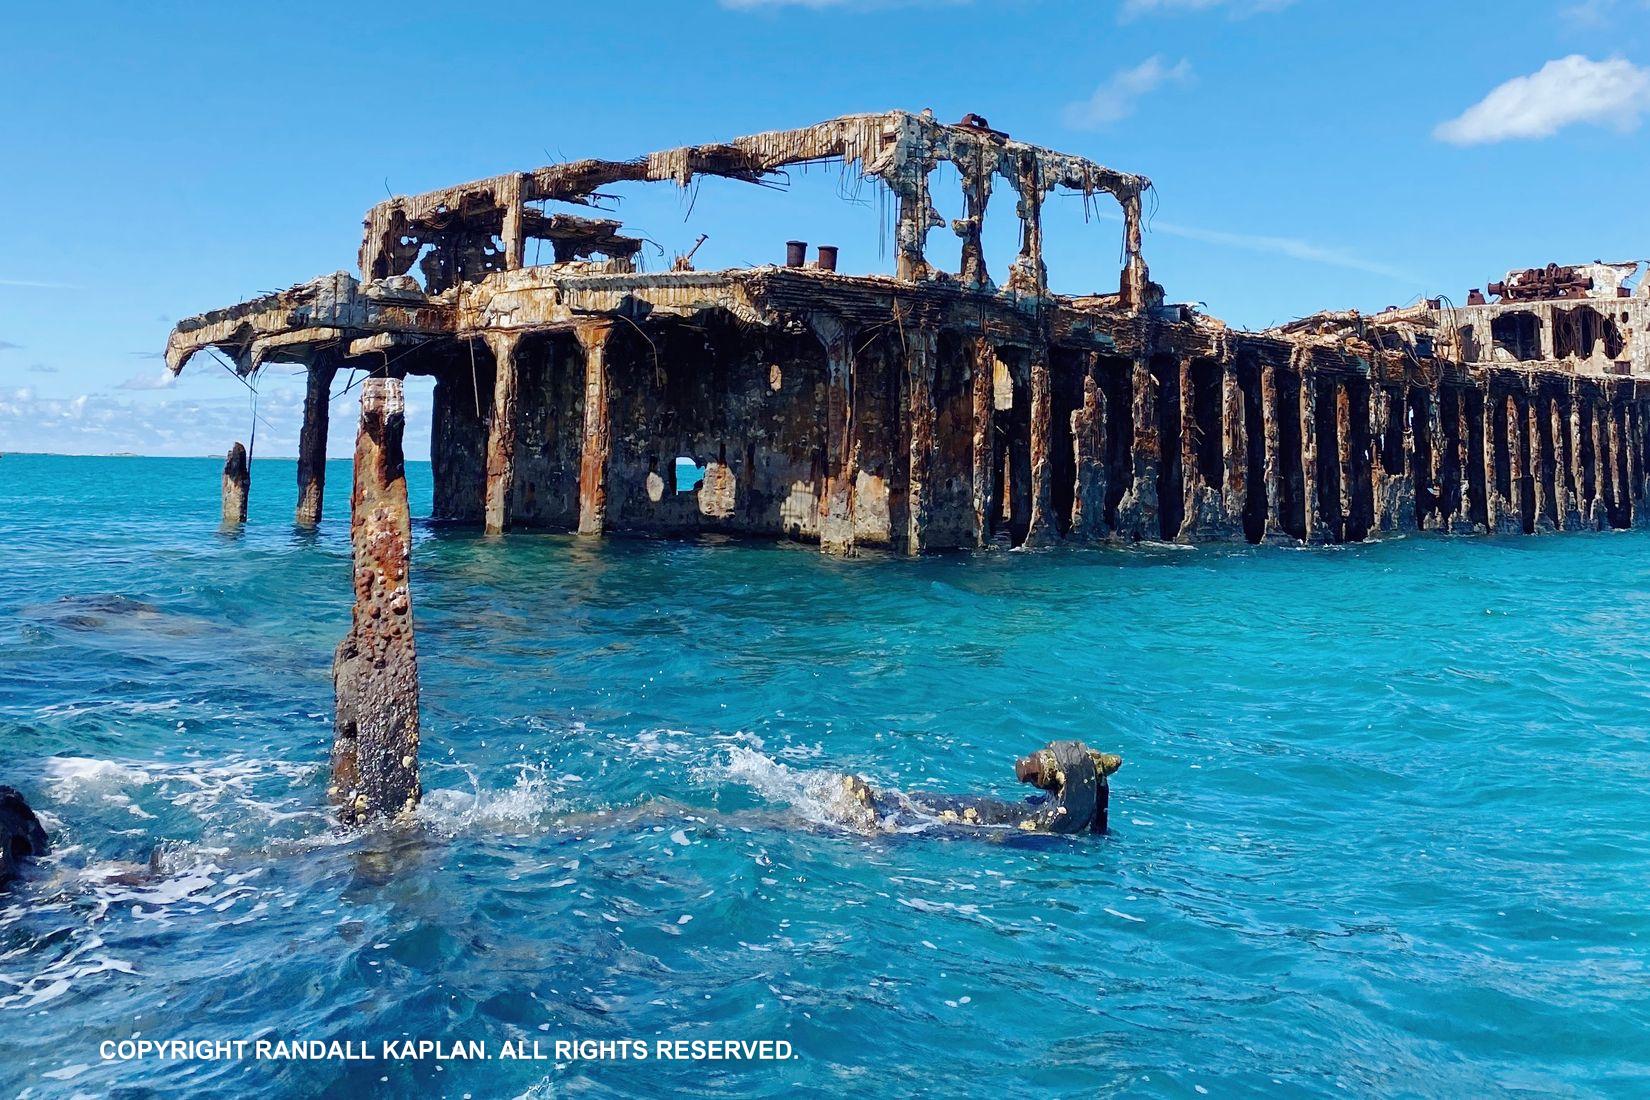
[(163, 159)]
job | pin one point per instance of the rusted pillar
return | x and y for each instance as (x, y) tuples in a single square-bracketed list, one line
[(1030, 276), (501, 433), (312, 442), (1273, 459), (1462, 523), (976, 185), (836, 511), (1561, 465), (375, 670), (1137, 512), (1309, 454), (1621, 465), (1234, 448), (237, 483), (1380, 414), (1042, 430), (597, 441), (921, 350), (1343, 437), (1136, 278), (1601, 466), (1435, 457), (1635, 454), (513, 234), (1578, 463), (1515, 476), (1191, 471), (913, 219), (1492, 490), (1088, 436), (1538, 461), (986, 504)]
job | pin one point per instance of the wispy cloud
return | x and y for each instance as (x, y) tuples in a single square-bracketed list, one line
[(1235, 8), (176, 424), (1118, 97), (1292, 247), (1599, 13), (41, 368), (165, 380), (7, 345), (1562, 93), (36, 284)]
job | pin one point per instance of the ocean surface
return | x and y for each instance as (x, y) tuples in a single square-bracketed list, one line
[(1384, 826)]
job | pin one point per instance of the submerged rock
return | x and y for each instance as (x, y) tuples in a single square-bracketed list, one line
[(21, 834)]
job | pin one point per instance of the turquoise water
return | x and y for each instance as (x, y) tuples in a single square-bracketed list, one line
[(1383, 827)]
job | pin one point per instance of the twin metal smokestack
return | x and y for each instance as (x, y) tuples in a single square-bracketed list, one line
[(796, 255)]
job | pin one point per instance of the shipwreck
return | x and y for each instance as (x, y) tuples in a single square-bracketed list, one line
[(927, 409)]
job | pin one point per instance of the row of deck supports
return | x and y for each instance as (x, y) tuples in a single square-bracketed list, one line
[(993, 442)]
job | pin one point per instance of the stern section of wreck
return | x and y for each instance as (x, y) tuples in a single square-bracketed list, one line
[(931, 409)]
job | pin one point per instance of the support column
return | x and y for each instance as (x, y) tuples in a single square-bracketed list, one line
[(1486, 437), (1234, 448), (836, 508), (1309, 455), (1382, 517), (375, 670), (1635, 457), (1042, 429), (1538, 461), (501, 433), (1088, 434), (921, 350), (1273, 460), (1601, 469), (1618, 465), (1515, 473), (597, 444), (986, 505), (1561, 465), (1137, 511), (1435, 458), (1343, 437), (1191, 470), (312, 442), (237, 483)]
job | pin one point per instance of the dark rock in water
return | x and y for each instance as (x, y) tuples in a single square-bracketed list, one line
[(21, 834)]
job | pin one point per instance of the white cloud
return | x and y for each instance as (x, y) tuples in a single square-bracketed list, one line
[(1292, 247), (1236, 8), (1562, 93), (1599, 13), (178, 424), (165, 380), (1117, 98)]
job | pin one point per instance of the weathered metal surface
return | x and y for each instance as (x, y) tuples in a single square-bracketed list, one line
[(237, 483), (375, 669)]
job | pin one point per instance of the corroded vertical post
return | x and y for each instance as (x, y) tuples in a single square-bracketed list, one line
[(1343, 437), (921, 350), (375, 670), (1309, 453), (1234, 448), (1618, 464), (1515, 473), (1273, 461), (1380, 478), (1435, 457), (1089, 445), (312, 442), (1561, 464), (237, 483), (1191, 471), (513, 233), (1135, 276), (1538, 461), (1137, 512), (501, 433), (913, 218), (1492, 489), (1601, 466), (836, 518), (597, 441), (1042, 430), (1635, 461), (1462, 523), (986, 504)]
